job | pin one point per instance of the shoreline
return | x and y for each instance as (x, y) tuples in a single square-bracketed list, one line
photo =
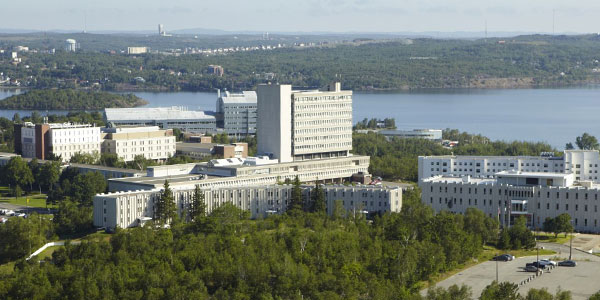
[(582, 84)]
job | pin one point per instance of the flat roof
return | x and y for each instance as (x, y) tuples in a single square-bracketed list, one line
[(493, 156), (453, 179), (533, 174), (105, 168), (156, 113), (192, 146), (243, 97)]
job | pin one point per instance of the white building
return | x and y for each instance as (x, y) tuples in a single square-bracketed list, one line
[(128, 142), (71, 45), (236, 113), (584, 164), (427, 134), (163, 117), (128, 209), (59, 139), (510, 194), (137, 50), (301, 125)]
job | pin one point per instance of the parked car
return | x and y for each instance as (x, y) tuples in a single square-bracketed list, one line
[(548, 262), (535, 264), (567, 263), (531, 268), (504, 257)]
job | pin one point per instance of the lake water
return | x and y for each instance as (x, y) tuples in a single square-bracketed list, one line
[(555, 116)]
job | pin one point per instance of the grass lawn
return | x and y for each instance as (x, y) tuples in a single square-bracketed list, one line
[(548, 237), (7, 268), (487, 254), (35, 199), (47, 253)]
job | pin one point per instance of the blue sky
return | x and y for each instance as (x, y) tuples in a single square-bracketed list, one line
[(305, 15)]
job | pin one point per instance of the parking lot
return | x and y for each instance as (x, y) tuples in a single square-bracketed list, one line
[(582, 280)]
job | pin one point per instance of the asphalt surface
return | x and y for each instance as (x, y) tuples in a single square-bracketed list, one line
[(582, 280), (25, 209)]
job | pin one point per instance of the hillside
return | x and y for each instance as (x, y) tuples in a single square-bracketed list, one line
[(68, 99)]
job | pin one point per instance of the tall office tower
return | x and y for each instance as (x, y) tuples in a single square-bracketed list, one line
[(161, 29), (296, 125)]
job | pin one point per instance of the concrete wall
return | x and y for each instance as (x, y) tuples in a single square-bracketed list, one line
[(274, 124)]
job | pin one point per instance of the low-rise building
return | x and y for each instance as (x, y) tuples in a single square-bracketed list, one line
[(203, 150), (163, 117), (427, 134), (59, 139), (129, 209), (511, 194), (584, 164), (128, 142), (245, 172)]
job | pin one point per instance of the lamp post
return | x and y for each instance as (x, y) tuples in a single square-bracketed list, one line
[(571, 241), (496, 269)]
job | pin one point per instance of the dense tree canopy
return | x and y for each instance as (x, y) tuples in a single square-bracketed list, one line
[(67, 99)]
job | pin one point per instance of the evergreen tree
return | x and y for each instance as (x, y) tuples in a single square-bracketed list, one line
[(166, 209), (296, 202), (318, 199), (198, 206)]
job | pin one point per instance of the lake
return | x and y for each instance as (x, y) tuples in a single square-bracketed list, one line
[(555, 116)]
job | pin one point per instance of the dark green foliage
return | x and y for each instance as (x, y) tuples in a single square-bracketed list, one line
[(111, 160), (84, 187), (310, 256), (518, 236), (562, 223), (318, 201), (20, 237), (452, 293), (478, 223), (538, 60), (85, 158), (72, 218), (501, 291), (587, 142), (166, 209), (17, 173), (67, 99), (197, 210), (543, 294), (296, 203)]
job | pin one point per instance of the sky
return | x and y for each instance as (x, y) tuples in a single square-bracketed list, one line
[(581, 16)]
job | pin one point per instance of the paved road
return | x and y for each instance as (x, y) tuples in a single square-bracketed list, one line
[(25, 209), (563, 252), (582, 280)]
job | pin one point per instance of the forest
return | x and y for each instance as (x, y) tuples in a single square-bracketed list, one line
[(224, 255), (69, 99), (524, 61)]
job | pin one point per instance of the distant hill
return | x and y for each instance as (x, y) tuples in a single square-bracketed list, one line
[(68, 99)]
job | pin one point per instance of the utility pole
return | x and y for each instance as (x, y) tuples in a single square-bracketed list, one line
[(496, 270), (571, 246)]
